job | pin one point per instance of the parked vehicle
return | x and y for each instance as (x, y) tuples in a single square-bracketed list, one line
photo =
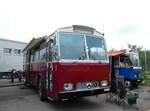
[(126, 63), (70, 63)]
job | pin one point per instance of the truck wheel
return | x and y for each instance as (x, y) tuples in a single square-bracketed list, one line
[(134, 85), (41, 90)]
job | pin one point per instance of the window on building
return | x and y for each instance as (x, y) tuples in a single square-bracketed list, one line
[(17, 51), (7, 50)]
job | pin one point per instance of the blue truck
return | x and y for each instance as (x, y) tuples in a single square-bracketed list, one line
[(126, 64)]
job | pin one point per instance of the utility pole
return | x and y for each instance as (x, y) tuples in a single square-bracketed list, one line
[(103, 27), (145, 60)]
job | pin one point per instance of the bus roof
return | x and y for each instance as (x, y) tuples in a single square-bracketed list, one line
[(74, 28)]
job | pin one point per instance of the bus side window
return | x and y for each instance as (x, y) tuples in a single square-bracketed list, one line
[(43, 54), (51, 51), (32, 56)]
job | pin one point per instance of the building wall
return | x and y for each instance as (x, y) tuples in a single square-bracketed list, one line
[(11, 60)]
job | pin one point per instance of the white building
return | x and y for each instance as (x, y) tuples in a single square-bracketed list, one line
[(11, 56)]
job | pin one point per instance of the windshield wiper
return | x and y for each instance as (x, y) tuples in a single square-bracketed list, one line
[(82, 57)]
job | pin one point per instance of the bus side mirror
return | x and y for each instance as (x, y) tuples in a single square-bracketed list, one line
[(51, 40)]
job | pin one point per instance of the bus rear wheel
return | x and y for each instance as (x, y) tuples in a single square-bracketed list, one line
[(41, 90)]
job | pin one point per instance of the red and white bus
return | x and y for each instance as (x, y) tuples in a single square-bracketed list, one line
[(72, 62)]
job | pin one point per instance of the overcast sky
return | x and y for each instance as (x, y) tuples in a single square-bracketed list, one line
[(122, 21)]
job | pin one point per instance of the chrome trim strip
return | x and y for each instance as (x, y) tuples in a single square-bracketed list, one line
[(83, 61), (51, 99), (137, 67), (86, 47), (58, 43), (80, 90)]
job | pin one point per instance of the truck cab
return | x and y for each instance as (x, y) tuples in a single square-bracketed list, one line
[(126, 64)]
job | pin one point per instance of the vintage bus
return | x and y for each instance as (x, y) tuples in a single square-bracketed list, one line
[(70, 63)]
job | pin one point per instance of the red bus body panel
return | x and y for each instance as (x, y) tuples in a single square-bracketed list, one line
[(76, 72), (79, 72), (69, 73)]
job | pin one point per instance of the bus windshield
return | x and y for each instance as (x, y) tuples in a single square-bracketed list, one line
[(75, 46)]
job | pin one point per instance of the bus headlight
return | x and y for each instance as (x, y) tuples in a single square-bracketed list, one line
[(68, 86), (104, 83)]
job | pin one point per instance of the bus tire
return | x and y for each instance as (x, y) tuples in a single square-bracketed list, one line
[(41, 90), (27, 83)]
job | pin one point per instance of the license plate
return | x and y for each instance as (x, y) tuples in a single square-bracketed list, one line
[(108, 89)]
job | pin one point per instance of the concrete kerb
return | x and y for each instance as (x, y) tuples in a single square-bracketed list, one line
[(10, 85)]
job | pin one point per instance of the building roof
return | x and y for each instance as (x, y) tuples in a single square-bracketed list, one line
[(1, 39)]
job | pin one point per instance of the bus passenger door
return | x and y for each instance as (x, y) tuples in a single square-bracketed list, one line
[(49, 66), (49, 77)]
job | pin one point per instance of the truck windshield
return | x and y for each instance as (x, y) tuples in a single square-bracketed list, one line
[(75, 46), (134, 56)]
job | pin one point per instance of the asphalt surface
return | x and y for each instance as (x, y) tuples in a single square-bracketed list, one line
[(20, 98)]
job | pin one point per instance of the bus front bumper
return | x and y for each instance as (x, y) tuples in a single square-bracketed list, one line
[(82, 93)]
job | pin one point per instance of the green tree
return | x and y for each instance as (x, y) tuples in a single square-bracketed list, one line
[(135, 47)]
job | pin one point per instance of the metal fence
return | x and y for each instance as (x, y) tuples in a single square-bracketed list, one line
[(145, 60), (145, 63)]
